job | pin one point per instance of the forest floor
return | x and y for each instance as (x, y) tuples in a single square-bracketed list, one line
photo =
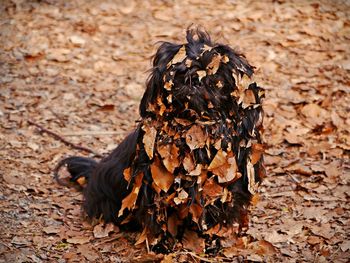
[(78, 68)]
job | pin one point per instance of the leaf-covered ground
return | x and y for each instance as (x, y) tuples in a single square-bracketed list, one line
[(78, 68)]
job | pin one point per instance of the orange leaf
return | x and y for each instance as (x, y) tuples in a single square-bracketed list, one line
[(212, 189), (219, 160), (143, 236), (168, 85), (195, 137), (179, 56), (149, 139), (127, 174), (161, 177), (224, 166), (257, 151), (196, 211), (248, 98), (188, 163), (130, 200), (170, 156), (214, 64)]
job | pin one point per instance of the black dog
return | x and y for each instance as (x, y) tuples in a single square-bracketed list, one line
[(195, 159)]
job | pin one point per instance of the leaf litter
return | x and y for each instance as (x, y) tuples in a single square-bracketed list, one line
[(304, 69)]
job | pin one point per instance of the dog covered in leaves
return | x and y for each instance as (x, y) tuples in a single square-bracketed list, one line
[(195, 160)]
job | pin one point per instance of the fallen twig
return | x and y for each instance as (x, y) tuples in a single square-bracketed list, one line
[(60, 138)]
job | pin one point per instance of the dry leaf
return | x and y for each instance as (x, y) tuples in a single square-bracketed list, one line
[(127, 174), (181, 197), (201, 74), (179, 56), (170, 156), (263, 248), (193, 242), (248, 98), (149, 139), (78, 240), (161, 177), (101, 230), (224, 166), (143, 236), (214, 64), (168, 85), (256, 152), (188, 163), (212, 189), (130, 200), (196, 211), (195, 137), (252, 185)]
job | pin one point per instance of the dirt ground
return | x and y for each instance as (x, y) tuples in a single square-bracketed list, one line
[(78, 68)]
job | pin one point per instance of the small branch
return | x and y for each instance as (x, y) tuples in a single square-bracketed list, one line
[(60, 138)]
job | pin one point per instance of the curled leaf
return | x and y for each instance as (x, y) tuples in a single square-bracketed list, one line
[(130, 200), (252, 185), (224, 166), (161, 177), (149, 139)]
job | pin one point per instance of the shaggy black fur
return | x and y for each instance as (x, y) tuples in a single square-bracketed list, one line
[(106, 186)]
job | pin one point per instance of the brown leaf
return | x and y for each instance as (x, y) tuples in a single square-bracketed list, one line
[(143, 236), (88, 252), (149, 139), (127, 174), (201, 74), (130, 200), (179, 56), (214, 64), (193, 242), (168, 85), (224, 166), (183, 122), (212, 189), (263, 248), (52, 229), (161, 177), (196, 211), (172, 224), (181, 197), (170, 156), (256, 152), (248, 98), (188, 163), (78, 240), (101, 230), (252, 185), (195, 137)]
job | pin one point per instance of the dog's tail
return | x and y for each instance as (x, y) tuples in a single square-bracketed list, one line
[(78, 167)]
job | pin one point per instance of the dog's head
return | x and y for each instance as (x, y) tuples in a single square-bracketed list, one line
[(197, 80)]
